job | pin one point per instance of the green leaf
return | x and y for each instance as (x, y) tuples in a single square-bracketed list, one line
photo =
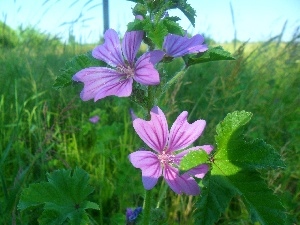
[(157, 7), (256, 155), (139, 9), (63, 196), (263, 206), (157, 33), (212, 54), (137, 24), (215, 197), (73, 66), (186, 8), (173, 27), (51, 218), (192, 159), (235, 171), (173, 18), (243, 154)]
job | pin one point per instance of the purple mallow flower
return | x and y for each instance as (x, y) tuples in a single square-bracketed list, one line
[(100, 82), (164, 161), (177, 46)]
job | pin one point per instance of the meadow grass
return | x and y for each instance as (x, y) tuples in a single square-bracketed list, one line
[(43, 129)]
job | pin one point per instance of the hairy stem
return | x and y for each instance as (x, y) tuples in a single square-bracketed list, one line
[(147, 207)]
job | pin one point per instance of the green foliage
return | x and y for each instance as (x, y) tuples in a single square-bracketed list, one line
[(192, 159), (212, 54), (157, 31), (172, 26), (234, 172), (139, 9), (74, 65), (155, 23), (215, 197), (138, 24), (160, 6), (158, 217), (8, 37), (186, 8), (64, 197), (33, 38)]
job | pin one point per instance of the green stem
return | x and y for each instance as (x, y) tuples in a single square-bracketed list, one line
[(162, 193), (148, 194), (147, 207), (173, 80), (150, 99)]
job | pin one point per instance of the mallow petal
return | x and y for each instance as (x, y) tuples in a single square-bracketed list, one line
[(183, 134), (198, 171), (148, 162), (131, 44), (110, 52), (171, 175), (118, 87), (176, 45), (189, 185), (154, 132), (180, 184), (100, 82), (207, 148), (145, 72), (196, 44)]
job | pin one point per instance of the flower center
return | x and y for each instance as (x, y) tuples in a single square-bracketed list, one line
[(166, 158), (128, 71)]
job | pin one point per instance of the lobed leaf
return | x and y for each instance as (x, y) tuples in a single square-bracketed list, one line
[(263, 206), (173, 27), (212, 54), (76, 64), (214, 199), (233, 149), (137, 25), (173, 18), (192, 159), (157, 33), (63, 197), (186, 8), (234, 171)]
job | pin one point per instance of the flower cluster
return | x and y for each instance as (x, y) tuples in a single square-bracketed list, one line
[(100, 82), (123, 68)]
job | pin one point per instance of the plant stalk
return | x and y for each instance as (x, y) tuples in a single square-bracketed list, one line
[(147, 207)]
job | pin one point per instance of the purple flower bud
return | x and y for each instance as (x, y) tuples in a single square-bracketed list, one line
[(94, 119), (139, 17)]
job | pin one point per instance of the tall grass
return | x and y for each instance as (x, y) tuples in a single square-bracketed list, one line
[(42, 129)]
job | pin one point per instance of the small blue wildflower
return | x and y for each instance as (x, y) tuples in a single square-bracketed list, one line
[(131, 215)]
